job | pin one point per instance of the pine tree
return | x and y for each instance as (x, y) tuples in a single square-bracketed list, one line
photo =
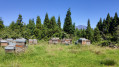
[(104, 26), (38, 23), (52, 23), (68, 23), (97, 36), (117, 34), (108, 21), (59, 22), (114, 24), (1, 24), (89, 32), (31, 26), (73, 28), (46, 21), (100, 25), (12, 25)]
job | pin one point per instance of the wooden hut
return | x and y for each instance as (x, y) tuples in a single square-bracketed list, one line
[(3, 43), (84, 41), (54, 41)]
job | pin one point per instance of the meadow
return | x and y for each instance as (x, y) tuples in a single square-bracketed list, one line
[(45, 55)]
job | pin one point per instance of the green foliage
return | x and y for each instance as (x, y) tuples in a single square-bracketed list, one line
[(97, 36), (68, 23), (100, 25), (59, 22), (38, 23), (46, 21), (89, 32), (1, 24)]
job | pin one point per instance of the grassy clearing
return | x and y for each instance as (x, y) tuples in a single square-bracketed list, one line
[(44, 55)]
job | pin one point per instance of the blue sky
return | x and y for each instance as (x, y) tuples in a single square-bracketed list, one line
[(81, 10)]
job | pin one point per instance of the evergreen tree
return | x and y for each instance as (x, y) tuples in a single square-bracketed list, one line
[(38, 23), (68, 23), (117, 34), (59, 22), (114, 24), (12, 25), (1, 24), (46, 21), (108, 21), (73, 28), (100, 25), (97, 36), (52, 23), (31, 26), (89, 32)]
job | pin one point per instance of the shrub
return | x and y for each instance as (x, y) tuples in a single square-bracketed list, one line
[(108, 62)]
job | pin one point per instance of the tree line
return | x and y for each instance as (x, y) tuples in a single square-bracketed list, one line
[(106, 29)]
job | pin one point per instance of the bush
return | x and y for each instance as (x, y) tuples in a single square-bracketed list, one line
[(108, 62)]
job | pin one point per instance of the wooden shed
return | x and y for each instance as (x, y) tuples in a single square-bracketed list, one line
[(66, 41), (84, 41), (3, 43), (54, 41)]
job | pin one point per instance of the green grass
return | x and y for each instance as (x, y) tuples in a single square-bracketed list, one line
[(44, 55)]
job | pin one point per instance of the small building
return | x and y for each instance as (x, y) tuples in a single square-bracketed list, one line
[(9, 49), (54, 41), (84, 41), (66, 41), (3, 43)]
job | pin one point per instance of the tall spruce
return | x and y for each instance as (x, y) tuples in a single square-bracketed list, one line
[(31, 26), (59, 22), (46, 21), (114, 24), (89, 32), (100, 25), (52, 23), (97, 36), (38, 23), (108, 21), (68, 23)]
